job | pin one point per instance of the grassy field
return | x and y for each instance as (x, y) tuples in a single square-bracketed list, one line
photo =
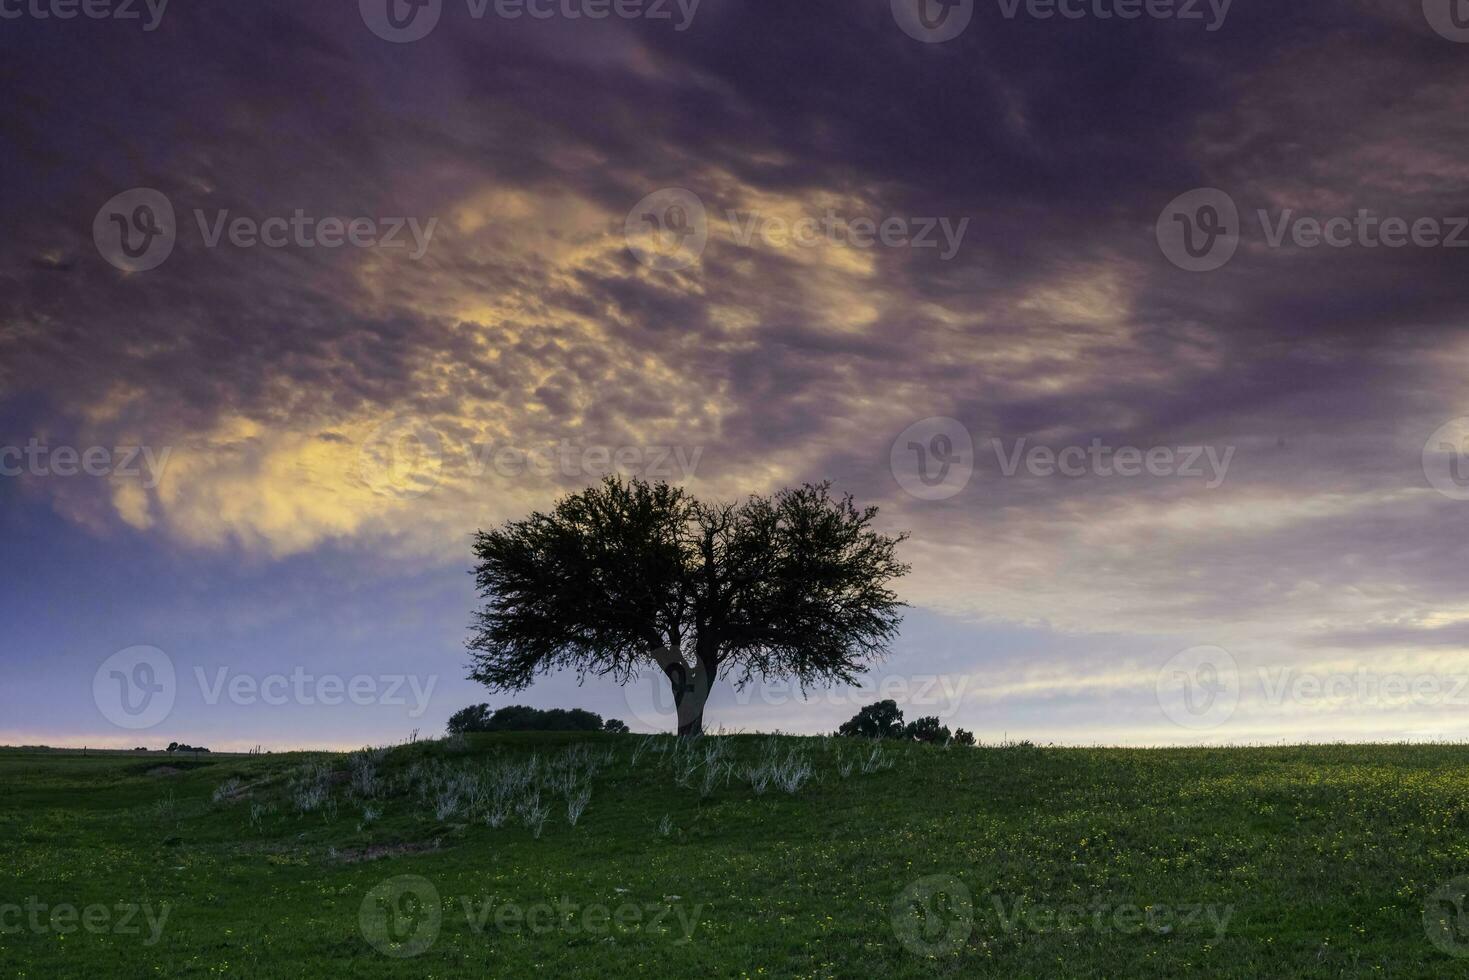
[(745, 856)]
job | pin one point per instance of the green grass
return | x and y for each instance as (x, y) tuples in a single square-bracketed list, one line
[(1253, 862)]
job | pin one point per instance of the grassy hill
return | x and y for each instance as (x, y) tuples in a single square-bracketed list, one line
[(746, 856)]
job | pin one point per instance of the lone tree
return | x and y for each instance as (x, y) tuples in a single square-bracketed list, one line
[(624, 575)]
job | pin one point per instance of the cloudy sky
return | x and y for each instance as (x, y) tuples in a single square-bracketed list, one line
[(1147, 320)]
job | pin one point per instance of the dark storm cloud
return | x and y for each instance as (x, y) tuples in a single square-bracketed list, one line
[(1058, 320)]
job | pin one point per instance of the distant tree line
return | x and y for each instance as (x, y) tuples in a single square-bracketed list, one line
[(884, 719), (181, 747), (517, 718)]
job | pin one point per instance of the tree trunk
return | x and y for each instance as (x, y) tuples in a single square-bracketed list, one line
[(690, 690), (694, 726)]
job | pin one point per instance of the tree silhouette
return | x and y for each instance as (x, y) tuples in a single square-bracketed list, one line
[(627, 574), (883, 719)]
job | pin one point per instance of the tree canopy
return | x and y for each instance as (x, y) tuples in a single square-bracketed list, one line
[(796, 584)]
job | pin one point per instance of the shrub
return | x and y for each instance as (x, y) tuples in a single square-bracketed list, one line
[(474, 718), (518, 718), (961, 737), (362, 774), (181, 747), (569, 720), (576, 805), (616, 727), (926, 730), (533, 814), (883, 719), (310, 787)]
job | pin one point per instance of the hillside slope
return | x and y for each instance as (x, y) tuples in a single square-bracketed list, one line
[(745, 856)]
